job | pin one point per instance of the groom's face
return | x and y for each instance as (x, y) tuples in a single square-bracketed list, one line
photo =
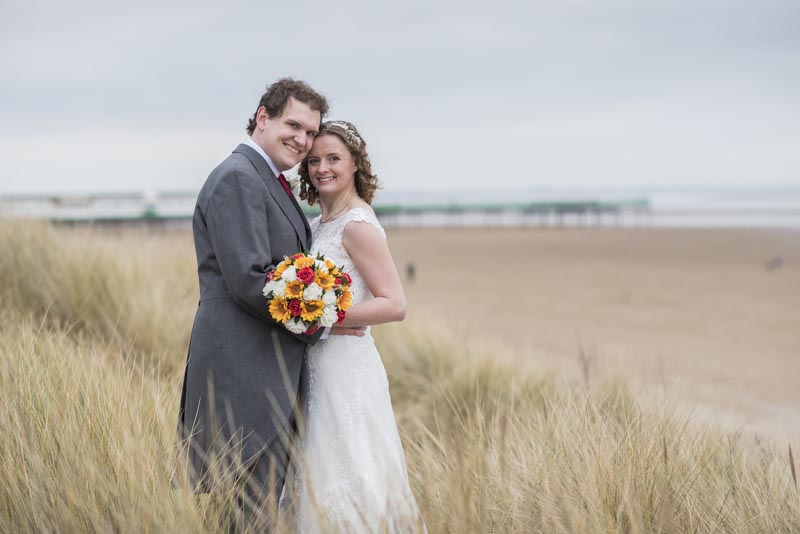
[(287, 138)]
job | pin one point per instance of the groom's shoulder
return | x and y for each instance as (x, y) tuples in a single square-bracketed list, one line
[(236, 163), (236, 168)]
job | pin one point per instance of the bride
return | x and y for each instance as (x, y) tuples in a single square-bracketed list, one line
[(351, 473)]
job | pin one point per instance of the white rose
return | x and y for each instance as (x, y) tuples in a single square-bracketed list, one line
[(329, 316), (295, 326), (320, 265), (290, 274), (312, 292), (280, 288), (270, 286), (329, 298)]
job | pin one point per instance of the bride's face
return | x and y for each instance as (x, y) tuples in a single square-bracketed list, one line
[(331, 167)]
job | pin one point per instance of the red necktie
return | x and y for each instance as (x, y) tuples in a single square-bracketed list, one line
[(285, 185)]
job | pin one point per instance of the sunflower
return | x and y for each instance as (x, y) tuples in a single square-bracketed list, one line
[(311, 310), (279, 310), (345, 300), (282, 266), (294, 289), (305, 261), (329, 264), (325, 280)]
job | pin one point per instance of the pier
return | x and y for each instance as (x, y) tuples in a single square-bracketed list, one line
[(164, 207)]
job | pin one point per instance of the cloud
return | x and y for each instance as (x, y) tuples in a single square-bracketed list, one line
[(569, 91)]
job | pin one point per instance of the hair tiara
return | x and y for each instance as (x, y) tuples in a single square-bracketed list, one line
[(349, 131)]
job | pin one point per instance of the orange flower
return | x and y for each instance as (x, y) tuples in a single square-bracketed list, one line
[(279, 310), (305, 261), (325, 280), (294, 290), (311, 310), (345, 300)]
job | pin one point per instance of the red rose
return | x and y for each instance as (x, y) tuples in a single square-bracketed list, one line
[(338, 281), (311, 330), (294, 307), (341, 315), (270, 276), (298, 255), (306, 275), (347, 277)]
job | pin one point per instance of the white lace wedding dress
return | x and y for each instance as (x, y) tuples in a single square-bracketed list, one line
[(352, 474)]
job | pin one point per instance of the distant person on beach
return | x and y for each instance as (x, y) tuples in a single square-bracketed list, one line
[(411, 271)]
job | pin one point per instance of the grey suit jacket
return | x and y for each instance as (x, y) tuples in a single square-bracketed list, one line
[(235, 392)]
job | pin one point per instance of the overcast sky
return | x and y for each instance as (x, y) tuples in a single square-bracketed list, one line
[(448, 94)]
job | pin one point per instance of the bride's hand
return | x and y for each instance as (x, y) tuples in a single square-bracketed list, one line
[(348, 330)]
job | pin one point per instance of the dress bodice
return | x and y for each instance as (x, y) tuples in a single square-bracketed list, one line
[(327, 240)]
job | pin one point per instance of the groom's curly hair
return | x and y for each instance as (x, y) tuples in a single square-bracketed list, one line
[(278, 94)]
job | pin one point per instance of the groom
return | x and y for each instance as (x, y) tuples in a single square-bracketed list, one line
[(243, 369)]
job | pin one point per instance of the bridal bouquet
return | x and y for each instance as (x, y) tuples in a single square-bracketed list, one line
[(305, 293)]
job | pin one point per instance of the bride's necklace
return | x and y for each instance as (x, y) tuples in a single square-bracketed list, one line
[(339, 211)]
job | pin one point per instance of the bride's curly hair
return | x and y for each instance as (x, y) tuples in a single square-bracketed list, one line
[(366, 182)]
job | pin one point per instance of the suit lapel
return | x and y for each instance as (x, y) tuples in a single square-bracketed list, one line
[(289, 206)]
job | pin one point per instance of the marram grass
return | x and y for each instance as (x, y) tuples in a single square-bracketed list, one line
[(93, 333)]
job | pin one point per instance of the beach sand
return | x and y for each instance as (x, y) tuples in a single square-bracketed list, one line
[(709, 315)]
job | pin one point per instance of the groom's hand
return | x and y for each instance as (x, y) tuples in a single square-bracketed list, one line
[(348, 330)]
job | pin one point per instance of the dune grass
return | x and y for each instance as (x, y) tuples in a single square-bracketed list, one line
[(93, 332)]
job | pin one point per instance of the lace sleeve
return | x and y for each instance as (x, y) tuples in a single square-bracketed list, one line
[(360, 215)]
